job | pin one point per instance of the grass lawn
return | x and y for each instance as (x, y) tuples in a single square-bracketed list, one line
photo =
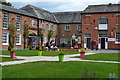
[(102, 56), (34, 53), (59, 70), (6, 59)]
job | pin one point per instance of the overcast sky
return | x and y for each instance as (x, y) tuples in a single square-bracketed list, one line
[(61, 5)]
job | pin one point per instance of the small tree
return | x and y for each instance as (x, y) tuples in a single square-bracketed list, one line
[(40, 36), (12, 35), (50, 34), (26, 33)]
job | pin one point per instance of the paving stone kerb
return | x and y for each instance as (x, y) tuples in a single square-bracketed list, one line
[(52, 58)]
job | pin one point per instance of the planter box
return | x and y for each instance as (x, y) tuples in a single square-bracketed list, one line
[(39, 53), (61, 58), (12, 55), (82, 55)]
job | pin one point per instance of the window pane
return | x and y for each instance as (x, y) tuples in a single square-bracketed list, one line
[(4, 38), (5, 20), (103, 21)]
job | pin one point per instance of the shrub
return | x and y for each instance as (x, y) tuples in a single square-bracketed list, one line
[(12, 50), (39, 48), (30, 47)]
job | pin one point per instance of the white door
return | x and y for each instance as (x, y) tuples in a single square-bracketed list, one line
[(106, 43), (85, 42)]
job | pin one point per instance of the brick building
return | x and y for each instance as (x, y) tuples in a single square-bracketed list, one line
[(10, 15), (101, 23), (47, 20), (96, 22), (69, 28)]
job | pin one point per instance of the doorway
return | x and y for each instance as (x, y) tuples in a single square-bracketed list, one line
[(102, 43), (88, 43)]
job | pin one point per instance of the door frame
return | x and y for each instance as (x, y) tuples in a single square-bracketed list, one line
[(106, 43), (85, 41)]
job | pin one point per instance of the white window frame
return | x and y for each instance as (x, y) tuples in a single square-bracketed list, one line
[(6, 21), (66, 28), (19, 39), (79, 40), (79, 29), (33, 23), (7, 38), (18, 24), (103, 26), (45, 39), (49, 26), (116, 39), (63, 40)]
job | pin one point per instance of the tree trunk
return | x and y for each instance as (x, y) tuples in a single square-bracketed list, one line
[(24, 42), (38, 41)]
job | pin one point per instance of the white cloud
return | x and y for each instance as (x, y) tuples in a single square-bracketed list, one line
[(78, 1), (62, 5)]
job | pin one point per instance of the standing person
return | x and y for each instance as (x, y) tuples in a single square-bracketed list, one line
[(96, 45), (92, 45)]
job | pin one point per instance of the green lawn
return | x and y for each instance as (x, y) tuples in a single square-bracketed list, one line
[(59, 70), (6, 59), (102, 56), (34, 53)]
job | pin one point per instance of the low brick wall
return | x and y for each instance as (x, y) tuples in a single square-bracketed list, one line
[(69, 50)]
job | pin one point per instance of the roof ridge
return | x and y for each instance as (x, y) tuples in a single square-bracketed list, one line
[(104, 4), (39, 8), (68, 12), (34, 10), (55, 18)]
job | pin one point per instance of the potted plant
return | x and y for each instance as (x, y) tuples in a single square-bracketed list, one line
[(61, 56), (12, 53), (82, 53), (39, 48)]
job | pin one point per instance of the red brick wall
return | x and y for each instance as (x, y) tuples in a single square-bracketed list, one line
[(1, 30), (92, 20), (67, 34), (28, 21)]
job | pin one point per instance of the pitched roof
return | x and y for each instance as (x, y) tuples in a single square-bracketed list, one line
[(40, 13), (102, 8), (14, 10), (68, 17)]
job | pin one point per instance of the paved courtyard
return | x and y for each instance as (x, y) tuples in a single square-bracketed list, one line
[(55, 58)]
